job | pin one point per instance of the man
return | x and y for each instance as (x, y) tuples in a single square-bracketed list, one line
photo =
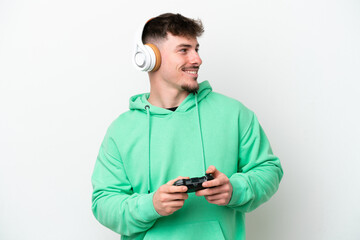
[(181, 128)]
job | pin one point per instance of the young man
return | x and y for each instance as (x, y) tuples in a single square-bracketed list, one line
[(181, 128)]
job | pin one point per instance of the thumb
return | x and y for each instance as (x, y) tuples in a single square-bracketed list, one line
[(211, 169)]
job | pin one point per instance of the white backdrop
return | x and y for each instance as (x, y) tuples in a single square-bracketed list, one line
[(66, 73)]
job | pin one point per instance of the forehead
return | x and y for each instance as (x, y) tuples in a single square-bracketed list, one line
[(178, 41)]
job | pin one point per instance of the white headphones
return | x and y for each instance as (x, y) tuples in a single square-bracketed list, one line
[(147, 57)]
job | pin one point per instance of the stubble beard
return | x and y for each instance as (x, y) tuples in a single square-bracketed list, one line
[(190, 88)]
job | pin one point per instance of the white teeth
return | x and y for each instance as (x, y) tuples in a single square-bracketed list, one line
[(192, 72)]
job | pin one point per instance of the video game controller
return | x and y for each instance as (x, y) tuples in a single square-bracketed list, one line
[(194, 184)]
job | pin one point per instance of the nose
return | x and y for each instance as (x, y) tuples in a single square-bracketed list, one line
[(195, 58)]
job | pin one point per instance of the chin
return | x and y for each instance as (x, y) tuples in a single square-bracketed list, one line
[(191, 88)]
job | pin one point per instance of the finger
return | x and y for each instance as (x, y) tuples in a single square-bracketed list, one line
[(201, 193), (170, 189), (174, 209), (217, 197), (220, 202), (171, 209), (175, 204), (212, 191), (218, 181), (212, 183), (174, 197), (177, 189)]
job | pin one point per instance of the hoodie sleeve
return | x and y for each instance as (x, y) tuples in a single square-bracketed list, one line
[(259, 170), (114, 204)]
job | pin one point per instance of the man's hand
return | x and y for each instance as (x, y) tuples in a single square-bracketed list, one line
[(221, 189), (168, 198)]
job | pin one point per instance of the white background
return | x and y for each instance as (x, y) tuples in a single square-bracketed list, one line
[(66, 73)]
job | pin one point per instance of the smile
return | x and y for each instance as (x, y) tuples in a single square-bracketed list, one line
[(191, 72)]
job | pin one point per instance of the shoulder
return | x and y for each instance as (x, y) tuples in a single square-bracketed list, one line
[(230, 109), (222, 101), (125, 122)]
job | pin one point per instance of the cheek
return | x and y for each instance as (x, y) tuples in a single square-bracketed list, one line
[(171, 67)]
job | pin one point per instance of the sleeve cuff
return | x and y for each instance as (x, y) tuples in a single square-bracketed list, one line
[(146, 208), (242, 192)]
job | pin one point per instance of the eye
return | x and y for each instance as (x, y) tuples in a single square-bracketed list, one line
[(197, 50), (183, 50)]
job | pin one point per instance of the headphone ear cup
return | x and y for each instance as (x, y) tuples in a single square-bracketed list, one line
[(146, 56), (142, 58), (157, 59)]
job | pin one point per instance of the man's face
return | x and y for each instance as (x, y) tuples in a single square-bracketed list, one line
[(180, 62)]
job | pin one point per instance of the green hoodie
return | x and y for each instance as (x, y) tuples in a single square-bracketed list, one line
[(148, 146)]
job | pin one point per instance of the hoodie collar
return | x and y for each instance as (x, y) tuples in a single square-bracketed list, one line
[(139, 101)]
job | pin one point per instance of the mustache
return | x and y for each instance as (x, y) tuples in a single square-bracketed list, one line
[(191, 68)]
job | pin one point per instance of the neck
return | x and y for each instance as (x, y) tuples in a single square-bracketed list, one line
[(166, 96)]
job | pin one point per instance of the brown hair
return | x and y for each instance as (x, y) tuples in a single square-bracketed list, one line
[(176, 24)]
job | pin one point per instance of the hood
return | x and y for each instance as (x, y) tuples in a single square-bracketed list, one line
[(139, 101)]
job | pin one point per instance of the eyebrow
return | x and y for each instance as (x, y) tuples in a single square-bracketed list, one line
[(187, 45)]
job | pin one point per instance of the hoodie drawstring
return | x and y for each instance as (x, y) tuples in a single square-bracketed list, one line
[(147, 107), (201, 137)]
